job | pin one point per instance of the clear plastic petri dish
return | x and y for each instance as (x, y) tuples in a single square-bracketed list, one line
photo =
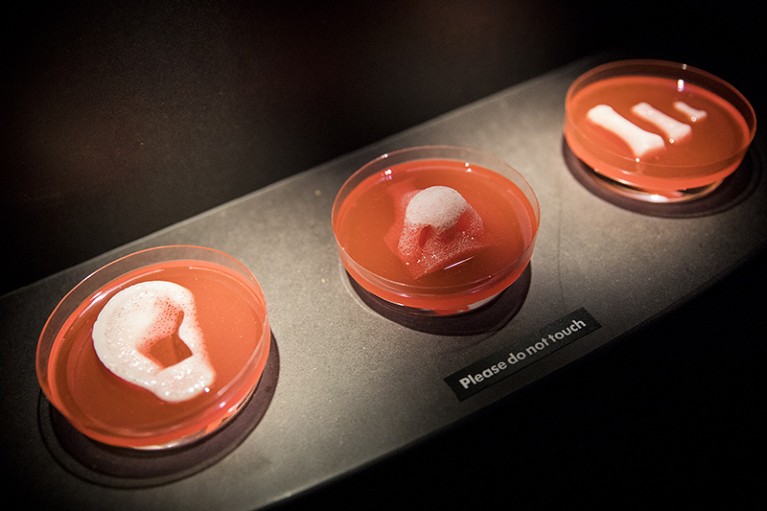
[(437, 230), (657, 131), (156, 349)]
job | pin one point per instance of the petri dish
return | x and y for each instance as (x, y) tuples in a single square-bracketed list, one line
[(657, 131), (156, 349), (436, 230)]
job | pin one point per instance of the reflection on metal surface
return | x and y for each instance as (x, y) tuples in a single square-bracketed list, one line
[(733, 190), (490, 317)]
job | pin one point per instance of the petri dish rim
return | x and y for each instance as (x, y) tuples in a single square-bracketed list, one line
[(90, 285), (488, 161), (664, 69)]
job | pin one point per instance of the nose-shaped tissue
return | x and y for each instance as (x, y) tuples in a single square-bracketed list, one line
[(435, 228), (138, 317)]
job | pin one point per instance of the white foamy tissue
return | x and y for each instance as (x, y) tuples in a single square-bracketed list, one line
[(145, 313), (440, 228)]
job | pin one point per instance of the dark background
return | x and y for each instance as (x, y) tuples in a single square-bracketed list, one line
[(121, 118)]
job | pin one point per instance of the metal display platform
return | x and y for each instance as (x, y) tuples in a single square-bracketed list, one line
[(349, 382)]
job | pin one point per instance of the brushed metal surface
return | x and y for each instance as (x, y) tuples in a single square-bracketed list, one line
[(354, 386)]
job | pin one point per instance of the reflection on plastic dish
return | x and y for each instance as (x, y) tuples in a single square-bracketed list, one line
[(438, 230), (156, 349), (657, 131)]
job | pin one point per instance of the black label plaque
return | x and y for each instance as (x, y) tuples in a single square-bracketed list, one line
[(501, 364)]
